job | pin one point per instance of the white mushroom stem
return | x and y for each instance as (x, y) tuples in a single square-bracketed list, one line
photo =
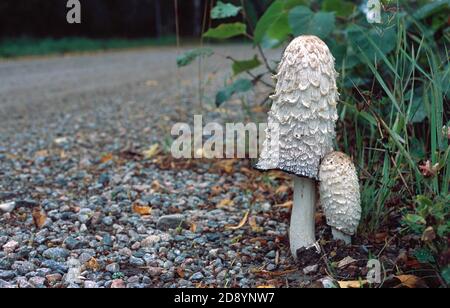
[(302, 229), (338, 235)]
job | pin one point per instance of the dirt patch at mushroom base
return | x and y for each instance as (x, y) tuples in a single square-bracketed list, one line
[(348, 266)]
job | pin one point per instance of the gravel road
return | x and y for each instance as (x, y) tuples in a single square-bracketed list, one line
[(87, 210)]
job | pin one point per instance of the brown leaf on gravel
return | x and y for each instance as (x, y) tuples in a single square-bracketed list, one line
[(287, 205), (106, 158), (273, 274), (156, 186), (42, 153), (345, 262), (282, 189), (428, 235), (410, 281), (39, 217), (357, 284), (225, 165), (180, 272), (216, 190), (241, 224), (253, 224), (225, 203), (142, 210), (93, 264)]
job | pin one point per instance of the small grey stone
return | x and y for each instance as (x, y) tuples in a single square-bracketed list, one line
[(7, 275), (72, 243), (171, 222), (108, 221), (23, 267), (271, 255), (136, 261), (310, 269), (197, 276), (37, 282), (90, 284), (113, 268), (56, 253)]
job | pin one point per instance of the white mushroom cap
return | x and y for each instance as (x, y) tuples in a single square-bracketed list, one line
[(339, 192), (303, 114)]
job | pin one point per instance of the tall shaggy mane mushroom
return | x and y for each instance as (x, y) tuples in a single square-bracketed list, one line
[(301, 127)]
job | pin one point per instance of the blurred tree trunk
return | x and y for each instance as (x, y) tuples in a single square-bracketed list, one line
[(198, 14), (158, 19)]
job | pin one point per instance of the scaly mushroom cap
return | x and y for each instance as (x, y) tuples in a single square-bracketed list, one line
[(301, 123), (339, 192)]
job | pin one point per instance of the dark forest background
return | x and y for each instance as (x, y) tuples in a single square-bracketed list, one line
[(108, 18)]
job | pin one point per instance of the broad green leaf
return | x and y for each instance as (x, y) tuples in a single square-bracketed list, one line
[(189, 56), (224, 10), (245, 65), (371, 42), (303, 21), (342, 8), (446, 274), (415, 219), (226, 31), (239, 86), (273, 27), (431, 8), (424, 256)]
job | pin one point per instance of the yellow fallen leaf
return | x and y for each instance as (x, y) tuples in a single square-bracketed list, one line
[(106, 158), (142, 210), (152, 83), (151, 152), (282, 189), (288, 205), (241, 224), (42, 153), (225, 203), (411, 281), (346, 261), (266, 287), (357, 284), (93, 264), (254, 225), (226, 165), (39, 217)]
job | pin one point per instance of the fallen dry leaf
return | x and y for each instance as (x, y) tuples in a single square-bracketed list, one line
[(410, 281), (287, 205), (282, 189), (106, 158), (193, 228), (93, 264), (226, 165), (39, 217), (42, 153), (357, 284), (180, 272), (241, 224), (428, 170), (156, 186), (142, 210), (266, 287), (254, 225), (428, 235), (225, 203), (151, 152), (152, 83), (274, 274), (346, 261)]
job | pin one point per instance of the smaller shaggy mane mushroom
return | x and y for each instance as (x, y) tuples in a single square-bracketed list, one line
[(340, 195)]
